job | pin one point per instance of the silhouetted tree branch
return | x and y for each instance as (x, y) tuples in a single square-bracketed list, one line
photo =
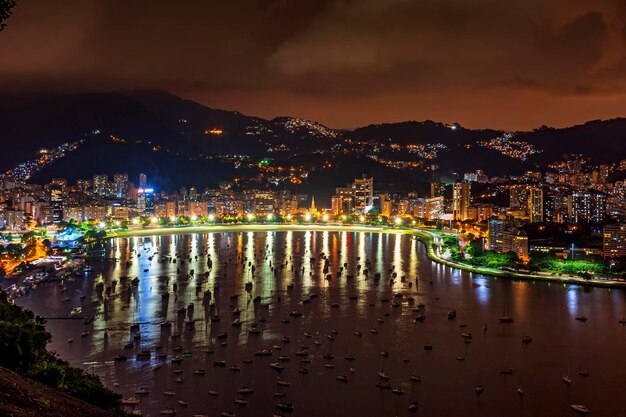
[(6, 7)]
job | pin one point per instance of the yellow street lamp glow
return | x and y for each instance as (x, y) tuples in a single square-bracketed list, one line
[(101, 225), (289, 217), (117, 223), (362, 219), (270, 216), (211, 217), (250, 216), (154, 220), (344, 217), (173, 218), (194, 218), (135, 220), (325, 217), (398, 220), (413, 222), (307, 217)]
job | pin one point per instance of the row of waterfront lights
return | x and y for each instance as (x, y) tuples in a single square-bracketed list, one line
[(250, 218)]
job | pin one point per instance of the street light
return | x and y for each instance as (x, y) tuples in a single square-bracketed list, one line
[(173, 219), (398, 221), (194, 218), (101, 225), (289, 216), (362, 219), (211, 217), (307, 217), (136, 221), (154, 220), (325, 217), (250, 216), (269, 216)]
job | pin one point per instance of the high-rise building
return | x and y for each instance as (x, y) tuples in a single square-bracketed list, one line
[(556, 207), (518, 197), (535, 205), (429, 208), (461, 194), (495, 237), (143, 180), (100, 185), (386, 206), (437, 189), (56, 201), (263, 203), (336, 207), (343, 200), (84, 185), (119, 183), (515, 241), (614, 240), (587, 207), (363, 194), (145, 201), (12, 220), (198, 209)]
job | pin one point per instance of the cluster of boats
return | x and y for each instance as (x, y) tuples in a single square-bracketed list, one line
[(314, 347)]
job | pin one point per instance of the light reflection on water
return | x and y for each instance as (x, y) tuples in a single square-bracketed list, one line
[(544, 311)]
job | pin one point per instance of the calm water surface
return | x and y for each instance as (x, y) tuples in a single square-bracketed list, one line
[(290, 265)]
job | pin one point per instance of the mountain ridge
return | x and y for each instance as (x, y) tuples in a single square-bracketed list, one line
[(159, 132)]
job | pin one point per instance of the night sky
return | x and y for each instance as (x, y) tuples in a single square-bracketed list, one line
[(482, 63)]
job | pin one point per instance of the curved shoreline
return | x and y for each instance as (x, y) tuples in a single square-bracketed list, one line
[(424, 236)]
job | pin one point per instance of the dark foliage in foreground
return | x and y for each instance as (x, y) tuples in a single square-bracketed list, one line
[(23, 340)]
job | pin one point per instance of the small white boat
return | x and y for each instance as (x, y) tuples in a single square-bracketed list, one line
[(277, 366), (520, 390), (130, 401), (581, 409)]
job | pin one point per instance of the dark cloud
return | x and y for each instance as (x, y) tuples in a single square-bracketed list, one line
[(344, 62)]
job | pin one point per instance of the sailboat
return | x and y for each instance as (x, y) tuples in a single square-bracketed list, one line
[(381, 373), (581, 409), (505, 370), (566, 378)]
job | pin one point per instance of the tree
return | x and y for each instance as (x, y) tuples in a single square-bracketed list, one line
[(6, 7), (23, 340)]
